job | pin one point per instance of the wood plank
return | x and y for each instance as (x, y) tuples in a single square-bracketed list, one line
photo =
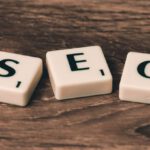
[(99, 122)]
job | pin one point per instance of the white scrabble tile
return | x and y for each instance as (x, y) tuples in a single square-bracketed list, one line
[(135, 81), (79, 72), (19, 76)]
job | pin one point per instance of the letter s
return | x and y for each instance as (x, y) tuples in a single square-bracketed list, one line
[(9, 69)]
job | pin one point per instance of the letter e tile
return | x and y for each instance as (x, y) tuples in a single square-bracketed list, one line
[(79, 72)]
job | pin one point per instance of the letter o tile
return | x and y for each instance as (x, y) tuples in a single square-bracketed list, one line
[(135, 80)]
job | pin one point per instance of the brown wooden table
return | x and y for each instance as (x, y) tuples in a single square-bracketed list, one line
[(33, 27)]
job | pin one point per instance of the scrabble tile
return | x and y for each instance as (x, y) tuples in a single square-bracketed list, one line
[(135, 81), (19, 76), (79, 72)]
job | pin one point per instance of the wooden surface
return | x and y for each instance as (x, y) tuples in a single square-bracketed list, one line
[(34, 27)]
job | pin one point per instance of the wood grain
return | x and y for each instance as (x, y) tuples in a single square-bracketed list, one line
[(33, 27)]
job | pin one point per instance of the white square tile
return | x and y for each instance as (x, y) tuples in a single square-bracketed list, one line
[(135, 81), (19, 76), (79, 72)]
